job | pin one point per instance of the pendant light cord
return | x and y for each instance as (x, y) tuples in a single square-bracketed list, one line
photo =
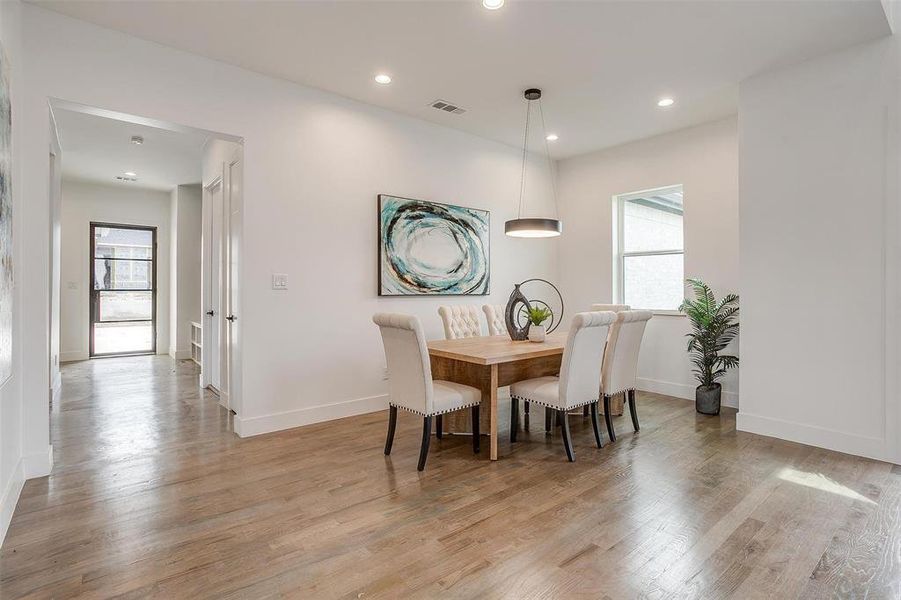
[(525, 145), (550, 164)]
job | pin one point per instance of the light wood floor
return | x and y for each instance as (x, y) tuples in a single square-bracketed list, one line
[(152, 495)]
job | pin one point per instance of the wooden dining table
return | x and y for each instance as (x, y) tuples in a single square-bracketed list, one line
[(491, 362)]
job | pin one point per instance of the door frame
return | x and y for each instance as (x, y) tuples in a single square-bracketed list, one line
[(93, 304), (228, 176), (233, 204)]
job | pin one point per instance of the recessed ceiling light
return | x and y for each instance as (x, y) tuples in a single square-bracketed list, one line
[(383, 78), (552, 137), (130, 174), (492, 4), (664, 102)]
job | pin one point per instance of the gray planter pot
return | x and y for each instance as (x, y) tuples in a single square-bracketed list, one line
[(707, 399)]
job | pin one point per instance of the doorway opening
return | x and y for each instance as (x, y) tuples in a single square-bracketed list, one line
[(123, 290), (160, 206)]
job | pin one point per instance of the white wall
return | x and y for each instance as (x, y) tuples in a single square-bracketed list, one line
[(704, 160), (314, 163), (819, 252), (184, 278), (86, 202), (13, 466)]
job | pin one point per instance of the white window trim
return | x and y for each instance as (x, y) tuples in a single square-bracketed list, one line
[(620, 255)]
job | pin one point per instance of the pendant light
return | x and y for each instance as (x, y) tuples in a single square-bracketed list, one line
[(533, 227)]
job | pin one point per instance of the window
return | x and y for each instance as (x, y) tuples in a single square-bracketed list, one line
[(649, 249)]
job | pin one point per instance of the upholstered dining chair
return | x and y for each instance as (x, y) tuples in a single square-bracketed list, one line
[(460, 321), (620, 367), (577, 384), (611, 307), (494, 313), (410, 382), (614, 308)]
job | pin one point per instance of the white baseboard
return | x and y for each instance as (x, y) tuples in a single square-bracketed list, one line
[(821, 437), (72, 356), (249, 426), (681, 390), (10, 498), (179, 354), (38, 464)]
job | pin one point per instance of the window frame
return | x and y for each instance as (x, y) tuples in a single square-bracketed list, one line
[(94, 294), (619, 253)]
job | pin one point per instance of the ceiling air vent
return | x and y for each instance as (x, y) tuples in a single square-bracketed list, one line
[(445, 106), (121, 178)]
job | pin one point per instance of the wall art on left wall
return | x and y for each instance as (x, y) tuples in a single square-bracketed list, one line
[(432, 249), (6, 224)]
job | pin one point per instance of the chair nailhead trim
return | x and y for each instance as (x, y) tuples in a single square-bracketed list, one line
[(539, 402), (422, 414), (621, 391)]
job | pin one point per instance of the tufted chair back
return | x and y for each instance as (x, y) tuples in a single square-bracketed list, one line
[(621, 354), (409, 370), (610, 307), (460, 321), (581, 367), (494, 313)]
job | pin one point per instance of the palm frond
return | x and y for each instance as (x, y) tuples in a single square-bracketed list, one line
[(714, 326)]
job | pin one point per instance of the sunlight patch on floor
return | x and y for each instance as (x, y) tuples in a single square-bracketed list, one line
[(820, 482)]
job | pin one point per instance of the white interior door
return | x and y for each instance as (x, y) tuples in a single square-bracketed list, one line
[(214, 316), (234, 176)]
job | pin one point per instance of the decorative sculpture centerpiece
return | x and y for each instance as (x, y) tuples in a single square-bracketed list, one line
[(516, 315)]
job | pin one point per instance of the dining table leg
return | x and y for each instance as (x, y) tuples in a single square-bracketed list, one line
[(492, 432)]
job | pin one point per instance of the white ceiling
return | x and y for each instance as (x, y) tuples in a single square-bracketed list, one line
[(602, 65), (97, 149)]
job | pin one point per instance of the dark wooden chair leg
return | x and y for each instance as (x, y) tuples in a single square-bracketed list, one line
[(608, 419), (475, 429), (547, 420), (632, 410), (594, 423), (567, 439), (525, 407), (439, 430), (584, 411), (426, 437), (514, 418), (392, 425)]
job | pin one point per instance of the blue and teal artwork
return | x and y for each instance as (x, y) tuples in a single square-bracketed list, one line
[(432, 249)]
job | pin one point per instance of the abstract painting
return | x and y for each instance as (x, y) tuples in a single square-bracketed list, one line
[(427, 248), (6, 225)]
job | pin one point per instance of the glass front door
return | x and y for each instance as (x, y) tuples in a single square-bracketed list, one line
[(123, 289)]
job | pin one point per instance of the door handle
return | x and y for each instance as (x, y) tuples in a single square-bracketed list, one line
[(210, 313), (231, 318)]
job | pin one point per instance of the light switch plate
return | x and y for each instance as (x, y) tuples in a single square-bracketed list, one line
[(279, 281)]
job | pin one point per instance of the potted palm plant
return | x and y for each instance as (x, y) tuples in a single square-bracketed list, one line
[(537, 315), (714, 325)]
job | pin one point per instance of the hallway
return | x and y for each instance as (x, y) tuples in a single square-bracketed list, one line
[(153, 496), (124, 432)]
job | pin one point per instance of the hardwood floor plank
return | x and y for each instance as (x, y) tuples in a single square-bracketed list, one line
[(153, 495)]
